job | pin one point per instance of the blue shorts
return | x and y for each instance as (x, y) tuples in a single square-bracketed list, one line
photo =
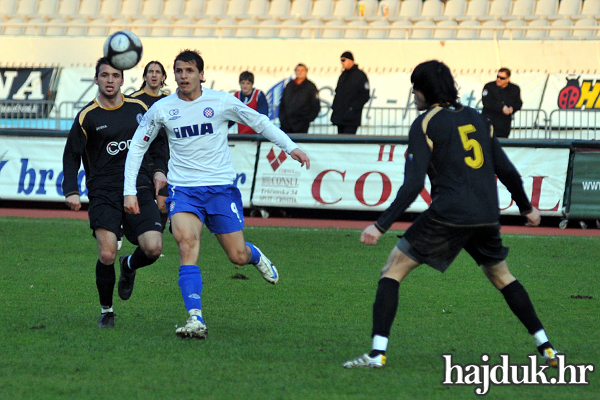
[(219, 207)]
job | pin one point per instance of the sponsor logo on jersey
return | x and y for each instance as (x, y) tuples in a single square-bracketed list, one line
[(175, 117), (146, 138), (209, 112), (101, 127), (193, 130), (173, 112), (113, 148)]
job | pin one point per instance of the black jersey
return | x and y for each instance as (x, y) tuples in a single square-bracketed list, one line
[(100, 137), (148, 98), (456, 149)]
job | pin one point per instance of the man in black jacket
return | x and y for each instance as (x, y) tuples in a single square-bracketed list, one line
[(501, 99), (299, 104), (351, 94)]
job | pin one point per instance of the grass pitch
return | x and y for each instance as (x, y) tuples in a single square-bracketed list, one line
[(286, 341)]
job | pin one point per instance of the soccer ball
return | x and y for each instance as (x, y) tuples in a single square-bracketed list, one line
[(123, 50)]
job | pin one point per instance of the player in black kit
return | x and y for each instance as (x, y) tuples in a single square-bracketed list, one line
[(455, 147), (100, 137), (150, 92)]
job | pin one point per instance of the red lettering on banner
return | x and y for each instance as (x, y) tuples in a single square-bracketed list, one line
[(360, 186), (537, 192), (316, 186), (382, 152)]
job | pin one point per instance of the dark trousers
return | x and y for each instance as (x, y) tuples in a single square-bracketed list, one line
[(348, 129)]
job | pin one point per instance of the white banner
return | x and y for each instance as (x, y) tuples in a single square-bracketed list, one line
[(31, 168), (367, 177), (574, 100)]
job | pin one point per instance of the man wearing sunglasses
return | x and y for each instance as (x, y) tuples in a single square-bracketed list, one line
[(501, 99), (351, 94)]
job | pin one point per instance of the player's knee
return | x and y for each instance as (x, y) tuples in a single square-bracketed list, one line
[(154, 251), (238, 257), (107, 257)]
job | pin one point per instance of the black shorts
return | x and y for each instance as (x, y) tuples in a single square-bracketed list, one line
[(106, 211), (437, 245), (164, 191)]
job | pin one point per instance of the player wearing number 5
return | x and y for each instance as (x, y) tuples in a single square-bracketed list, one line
[(201, 176), (454, 145)]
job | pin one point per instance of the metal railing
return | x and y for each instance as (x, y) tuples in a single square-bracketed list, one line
[(376, 121)]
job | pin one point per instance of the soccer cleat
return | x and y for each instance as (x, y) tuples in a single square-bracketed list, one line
[(106, 320), (126, 280), (267, 269), (549, 355), (192, 329), (119, 244), (366, 361)]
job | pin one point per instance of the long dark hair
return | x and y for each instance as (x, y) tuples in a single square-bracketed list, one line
[(435, 81), (147, 67)]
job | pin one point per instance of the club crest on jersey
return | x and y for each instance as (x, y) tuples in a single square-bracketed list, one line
[(139, 118), (143, 121), (209, 112)]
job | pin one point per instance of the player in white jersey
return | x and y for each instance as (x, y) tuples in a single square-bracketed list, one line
[(201, 176)]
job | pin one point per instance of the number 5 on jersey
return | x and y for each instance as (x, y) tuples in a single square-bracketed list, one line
[(476, 161)]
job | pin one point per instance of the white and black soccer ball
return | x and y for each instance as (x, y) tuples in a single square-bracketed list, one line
[(123, 49)]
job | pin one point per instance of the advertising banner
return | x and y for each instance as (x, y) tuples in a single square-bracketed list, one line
[(367, 177), (585, 185), (31, 168), (573, 100), (26, 92)]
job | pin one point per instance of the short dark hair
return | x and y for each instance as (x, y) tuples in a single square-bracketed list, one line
[(505, 70), (147, 67), (104, 61), (301, 65), (435, 81), (190, 56), (247, 76)]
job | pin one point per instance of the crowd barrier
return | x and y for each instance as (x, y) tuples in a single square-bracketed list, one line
[(360, 173)]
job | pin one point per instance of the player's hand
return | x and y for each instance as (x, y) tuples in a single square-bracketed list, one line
[(131, 205), (505, 110), (533, 217), (74, 202), (160, 181), (301, 157), (370, 235)]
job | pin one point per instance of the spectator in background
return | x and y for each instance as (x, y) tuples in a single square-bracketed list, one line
[(253, 98), (501, 99), (351, 94), (299, 104)]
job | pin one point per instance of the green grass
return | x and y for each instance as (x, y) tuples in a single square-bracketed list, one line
[(279, 342)]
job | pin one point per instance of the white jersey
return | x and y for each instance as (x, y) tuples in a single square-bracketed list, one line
[(197, 132)]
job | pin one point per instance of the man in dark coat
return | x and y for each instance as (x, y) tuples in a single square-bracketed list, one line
[(501, 99), (351, 94), (299, 104)]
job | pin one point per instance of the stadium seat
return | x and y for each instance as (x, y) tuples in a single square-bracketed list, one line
[(224, 32), (257, 9), (205, 27), (342, 10), (536, 34), (589, 9), (368, 8), (236, 9), (7, 7), (355, 33), (89, 9), (268, 32), (431, 9), (46, 9), (386, 9), (445, 33), (498, 9), (566, 9), (332, 33), (278, 9), (54, 27), (97, 27), (560, 33), (110, 9), (77, 27), (300, 8), (173, 9), (520, 10), (422, 33), (510, 32), (491, 33), (452, 10), (543, 8), (130, 9), (216, 9), (396, 32), (142, 25), (18, 27), (378, 33), (408, 9), (475, 10), (152, 9), (246, 28), (35, 27), (467, 33), (320, 10), (310, 28), (182, 27), (585, 22), (288, 32), (161, 27)]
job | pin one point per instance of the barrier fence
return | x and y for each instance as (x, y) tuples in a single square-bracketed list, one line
[(376, 121)]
